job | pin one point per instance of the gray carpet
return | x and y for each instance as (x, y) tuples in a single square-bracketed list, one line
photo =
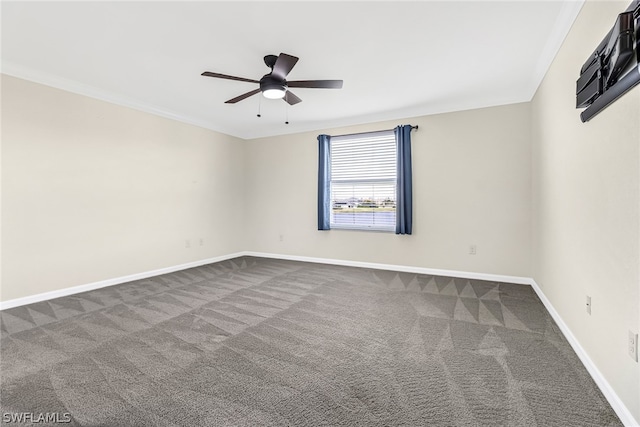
[(256, 342)]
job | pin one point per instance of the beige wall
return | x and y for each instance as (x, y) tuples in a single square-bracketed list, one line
[(94, 191), (586, 207), (471, 186)]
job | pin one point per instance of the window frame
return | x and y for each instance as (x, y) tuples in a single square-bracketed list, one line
[(390, 228)]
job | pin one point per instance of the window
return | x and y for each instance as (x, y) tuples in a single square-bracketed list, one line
[(363, 181)]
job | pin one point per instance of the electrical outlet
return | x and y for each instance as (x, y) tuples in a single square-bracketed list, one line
[(472, 250), (588, 305), (633, 346), (187, 243), (201, 241), (282, 237)]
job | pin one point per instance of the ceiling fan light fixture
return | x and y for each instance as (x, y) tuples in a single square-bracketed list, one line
[(274, 93)]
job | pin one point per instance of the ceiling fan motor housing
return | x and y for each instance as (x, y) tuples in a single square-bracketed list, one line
[(270, 82)]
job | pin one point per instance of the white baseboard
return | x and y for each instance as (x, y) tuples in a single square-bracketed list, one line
[(109, 282), (612, 397), (4, 305), (394, 267)]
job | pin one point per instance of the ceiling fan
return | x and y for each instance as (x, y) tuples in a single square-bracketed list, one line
[(274, 85)]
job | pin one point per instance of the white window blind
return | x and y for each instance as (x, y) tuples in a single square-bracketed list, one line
[(363, 181)]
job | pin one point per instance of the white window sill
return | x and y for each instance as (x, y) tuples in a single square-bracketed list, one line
[(355, 228)]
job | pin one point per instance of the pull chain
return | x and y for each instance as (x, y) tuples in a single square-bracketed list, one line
[(259, 104)]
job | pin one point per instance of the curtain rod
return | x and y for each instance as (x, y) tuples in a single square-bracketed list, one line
[(373, 131)]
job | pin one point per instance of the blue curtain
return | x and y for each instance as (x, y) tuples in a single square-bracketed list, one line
[(404, 202), (324, 181)]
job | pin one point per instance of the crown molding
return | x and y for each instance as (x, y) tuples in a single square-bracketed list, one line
[(26, 73), (561, 28)]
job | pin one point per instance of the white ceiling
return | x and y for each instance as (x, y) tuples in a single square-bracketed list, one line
[(397, 59)]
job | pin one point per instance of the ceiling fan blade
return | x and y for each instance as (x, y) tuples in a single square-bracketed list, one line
[(317, 84), (283, 65), (241, 97), (291, 98), (224, 76)]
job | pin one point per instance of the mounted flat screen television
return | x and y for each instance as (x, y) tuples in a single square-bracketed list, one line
[(614, 66)]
